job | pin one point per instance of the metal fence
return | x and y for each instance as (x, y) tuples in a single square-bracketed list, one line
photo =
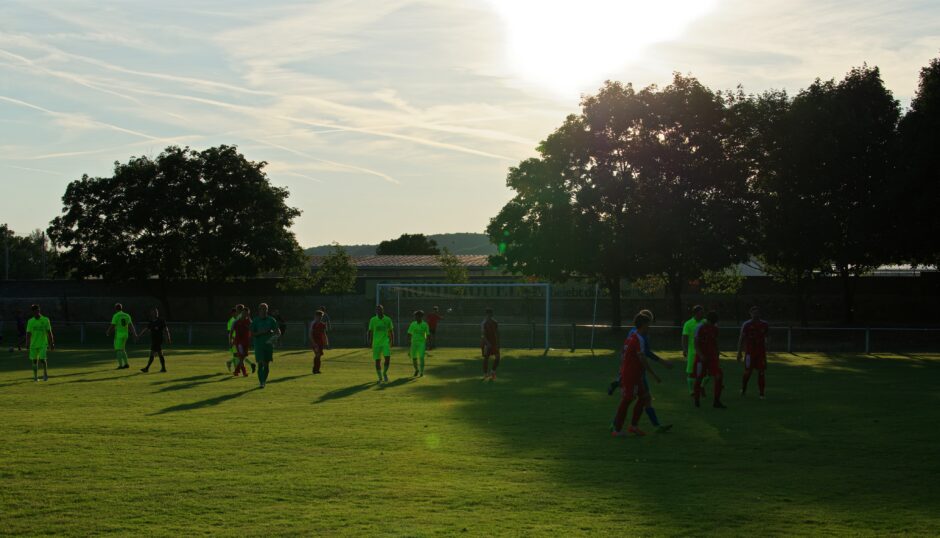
[(529, 336)]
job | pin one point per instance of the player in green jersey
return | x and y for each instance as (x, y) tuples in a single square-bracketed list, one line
[(263, 332), (39, 340), (121, 327), (688, 342), (236, 314), (418, 333), (380, 340)]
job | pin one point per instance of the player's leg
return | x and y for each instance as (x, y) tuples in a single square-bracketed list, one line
[(162, 359), (413, 353), (496, 356), (317, 358), (690, 376), (761, 381), (697, 376), (34, 359), (421, 356), (650, 412), (45, 369), (719, 385), (486, 365), (146, 369), (377, 359), (641, 402), (620, 417), (747, 374), (613, 386)]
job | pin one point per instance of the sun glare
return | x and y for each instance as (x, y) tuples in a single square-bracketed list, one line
[(570, 46)]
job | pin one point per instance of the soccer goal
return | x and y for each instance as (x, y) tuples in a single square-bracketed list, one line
[(523, 310)]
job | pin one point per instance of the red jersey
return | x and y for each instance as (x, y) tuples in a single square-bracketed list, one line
[(706, 342), (318, 333), (490, 331), (755, 337), (630, 366), (242, 330), (433, 319)]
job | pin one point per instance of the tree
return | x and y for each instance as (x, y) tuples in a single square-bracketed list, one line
[(454, 270), (27, 257), (918, 181), (208, 216), (408, 244), (824, 191), (337, 272)]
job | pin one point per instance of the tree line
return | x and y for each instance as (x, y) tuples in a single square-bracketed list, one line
[(679, 182)]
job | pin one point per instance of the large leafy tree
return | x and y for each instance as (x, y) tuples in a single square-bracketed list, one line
[(25, 257), (208, 216), (918, 183), (337, 272), (825, 184), (408, 244), (641, 182)]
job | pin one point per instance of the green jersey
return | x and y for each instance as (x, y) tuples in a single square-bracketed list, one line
[(419, 332), (688, 330), (122, 323), (38, 329), (263, 325), (381, 329)]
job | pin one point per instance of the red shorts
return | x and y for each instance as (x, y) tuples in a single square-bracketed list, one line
[(489, 350), (633, 387), (758, 361), (318, 346), (700, 371), (241, 349)]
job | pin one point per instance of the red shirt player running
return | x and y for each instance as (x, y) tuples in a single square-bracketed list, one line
[(632, 365), (242, 341), (433, 318), (706, 359), (489, 345), (753, 343), (318, 340)]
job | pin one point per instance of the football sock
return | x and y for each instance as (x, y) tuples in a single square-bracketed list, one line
[(745, 379), (414, 362), (651, 413), (35, 370), (378, 369), (388, 362), (761, 383), (637, 413), (421, 364), (717, 389), (150, 362), (162, 362), (495, 363), (486, 365), (691, 383)]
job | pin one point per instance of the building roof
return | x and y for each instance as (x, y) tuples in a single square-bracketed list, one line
[(412, 262)]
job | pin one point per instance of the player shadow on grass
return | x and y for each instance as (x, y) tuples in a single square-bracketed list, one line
[(185, 379), (195, 382), (112, 378), (208, 402), (344, 392), (52, 376)]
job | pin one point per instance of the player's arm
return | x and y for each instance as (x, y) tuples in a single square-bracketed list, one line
[(29, 337), (51, 338), (741, 343), (391, 334), (166, 329), (369, 336), (134, 331), (647, 367), (110, 330), (685, 341)]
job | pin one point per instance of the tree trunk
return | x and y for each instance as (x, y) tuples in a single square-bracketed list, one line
[(616, 316), (848, 295), (675, 289)]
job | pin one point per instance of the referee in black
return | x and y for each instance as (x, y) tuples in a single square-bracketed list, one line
[(158, 329)]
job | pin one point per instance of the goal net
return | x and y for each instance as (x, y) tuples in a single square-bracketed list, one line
[(523, 311)]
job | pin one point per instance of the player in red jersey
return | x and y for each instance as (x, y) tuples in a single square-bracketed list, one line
[(241, 340), (433, 318), (753, 343), (706, 359), (318, 339), (489, 345), (632, 366)]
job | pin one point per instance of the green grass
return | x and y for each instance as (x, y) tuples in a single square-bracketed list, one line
[(844, 445)]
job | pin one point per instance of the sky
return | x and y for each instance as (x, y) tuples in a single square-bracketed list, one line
[(390, 116)]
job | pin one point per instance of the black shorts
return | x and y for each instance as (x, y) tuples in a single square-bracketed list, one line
[(156, 348)]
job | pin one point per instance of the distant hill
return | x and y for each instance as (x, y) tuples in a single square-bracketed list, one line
[(459, 243)]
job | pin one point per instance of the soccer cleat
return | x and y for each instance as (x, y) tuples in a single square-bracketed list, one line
[(493, 376), (313, 370), (162, 370), (119, 367), (35, 380), (385, 378), (262, 385), (252, 367), (228, 365), (615, 433), (612, 388), (416, 373), (664, 428), (636, 431), (45, 377), (697, 403), (144, 370), (719, 405), (761, 396), (421, 374)]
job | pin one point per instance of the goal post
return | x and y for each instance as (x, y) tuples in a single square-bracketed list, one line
[(408, 296)]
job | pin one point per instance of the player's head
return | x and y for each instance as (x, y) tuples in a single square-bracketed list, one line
[(239, 308), (712, 317), (263, 309), (245, 313), (641, 322), (233, 311), (379, 310), (35, 310), (323, 309), (155, 312), (489, 312), (755, 312), (318, 315), (436, 309), (419, 315), (698, 311), (118, 307), (648, 314)]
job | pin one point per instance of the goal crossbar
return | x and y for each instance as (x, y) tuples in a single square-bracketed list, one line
[(541, 285)]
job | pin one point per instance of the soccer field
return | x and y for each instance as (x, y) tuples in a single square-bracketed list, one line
[(844, 445)]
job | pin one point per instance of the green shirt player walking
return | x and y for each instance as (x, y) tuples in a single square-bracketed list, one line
[(688, 342), (263, 331), (418, 333), (39, 340), (121, 327), (380, 340)]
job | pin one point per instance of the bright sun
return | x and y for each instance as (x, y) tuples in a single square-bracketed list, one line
[(570, 46)]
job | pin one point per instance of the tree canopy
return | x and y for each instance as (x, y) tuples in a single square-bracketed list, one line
[(408, 244)]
